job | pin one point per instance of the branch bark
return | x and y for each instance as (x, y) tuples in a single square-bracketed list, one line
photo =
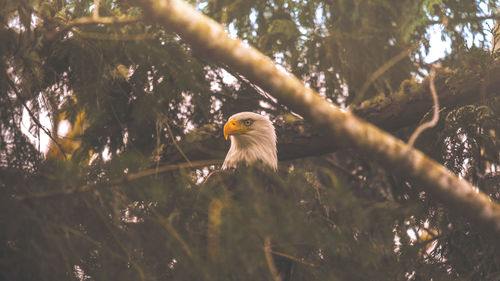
[(407, 106), (343, 128)]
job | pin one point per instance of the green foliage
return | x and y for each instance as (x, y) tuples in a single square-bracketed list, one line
[(141, 90)]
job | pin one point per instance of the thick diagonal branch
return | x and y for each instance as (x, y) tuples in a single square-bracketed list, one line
[(343, 128)]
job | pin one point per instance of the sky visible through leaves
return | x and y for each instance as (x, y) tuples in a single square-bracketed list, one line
[(139, 114)]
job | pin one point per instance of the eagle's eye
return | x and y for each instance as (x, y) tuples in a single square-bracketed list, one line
[(248, 122)]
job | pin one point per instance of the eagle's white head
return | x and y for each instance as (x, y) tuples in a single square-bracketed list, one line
[(253, 139)]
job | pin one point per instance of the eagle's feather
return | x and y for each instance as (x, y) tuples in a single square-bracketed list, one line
[(253, 139), (253, 144)]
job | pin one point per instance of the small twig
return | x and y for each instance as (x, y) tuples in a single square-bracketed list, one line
[(381, 70), (32, 115), (269, 259), (435, 116), (131, 177), (166, 223), (341, 168), (292, 258), (158, 147), (176, 144), (258, 90), (171, 167), (467, 20), (117, 37), (91, 21), (102, 20)]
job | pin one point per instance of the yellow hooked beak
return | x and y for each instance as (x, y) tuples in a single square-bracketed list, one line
[(234, 127)]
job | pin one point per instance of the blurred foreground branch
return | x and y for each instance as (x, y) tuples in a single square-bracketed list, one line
[(127, 178), (343, 128)]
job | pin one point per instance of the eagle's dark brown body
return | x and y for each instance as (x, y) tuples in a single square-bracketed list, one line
[(230, 190)]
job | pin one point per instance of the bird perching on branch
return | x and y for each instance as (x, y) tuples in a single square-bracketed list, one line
[(253, 144), (252, 154), (253, 139)]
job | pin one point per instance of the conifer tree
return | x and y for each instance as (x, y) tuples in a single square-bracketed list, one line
[(121, 195)]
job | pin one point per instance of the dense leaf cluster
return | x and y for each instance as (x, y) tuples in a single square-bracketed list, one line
[(133, 91)]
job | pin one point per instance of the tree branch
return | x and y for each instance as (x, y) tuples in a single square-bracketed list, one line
[(454, 87), (445, 20), (269, 260), (292, 258), (91, 21), (381, 70), (396, 111), (342, 127), (124, 179), (435, 116)]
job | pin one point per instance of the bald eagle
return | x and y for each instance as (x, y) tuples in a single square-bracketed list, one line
[(252, 154), (253, 139)]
